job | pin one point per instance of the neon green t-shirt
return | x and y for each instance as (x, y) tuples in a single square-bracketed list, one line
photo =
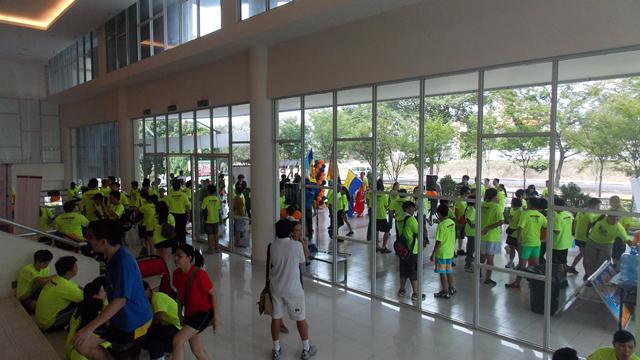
[(446, 236), (71, 224), (604, 233), (490, 214), (583, 220), (178, 202), (396, 206), (382, 203), (343, 202), (531, 224), (157, 229), (514, 217), (148, 211), (43, 218), (562, 223), (459, 208), (410, 231), (163, 303), (73, 194), (135, 198), (501, 200), (26, 276), (54, 297), (212, 204), (470, 219), (87, 206), (607, 353)]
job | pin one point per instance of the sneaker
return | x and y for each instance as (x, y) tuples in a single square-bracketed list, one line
[(402, 292), (350, 233), (452, 291), (462, 252), (453, 264), (572, 270), (490, 282), (442, 295), (307, 354), (414, 297), (275, 355), (510, 265), (378, 249), (385, 251)]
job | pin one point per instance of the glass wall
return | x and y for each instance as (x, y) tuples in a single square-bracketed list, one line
[(94, 151), (198, 143), (249, 8), (74, 65), (506, 168)]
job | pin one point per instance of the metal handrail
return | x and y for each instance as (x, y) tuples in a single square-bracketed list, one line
[(38, 232)]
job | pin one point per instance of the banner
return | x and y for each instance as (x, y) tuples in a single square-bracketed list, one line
[(609, 293), (635, 192)]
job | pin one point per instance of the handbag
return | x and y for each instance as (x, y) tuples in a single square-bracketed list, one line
[(401, 246), (265, 303), (168, 231)]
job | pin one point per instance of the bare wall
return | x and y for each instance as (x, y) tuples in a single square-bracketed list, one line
[(443, 36), (22, 80)]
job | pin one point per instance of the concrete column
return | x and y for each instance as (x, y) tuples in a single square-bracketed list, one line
[(125, 141), (262, 156)]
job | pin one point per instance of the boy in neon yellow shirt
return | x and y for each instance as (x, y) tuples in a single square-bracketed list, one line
[(470, 232), (71, 223), (605, 231), (443, 252), (166, 322), (582, 224), (32, 277), (211, 207), (491, 220), (459, 208), (562, 238), (531, 226), (73, 193), (409, 266), (59, 297), (512, 230), (624, 343)]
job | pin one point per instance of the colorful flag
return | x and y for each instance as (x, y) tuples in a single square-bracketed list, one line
[(310, 167), (353, 184)]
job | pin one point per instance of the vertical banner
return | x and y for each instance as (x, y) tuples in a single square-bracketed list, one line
[(5, 191), (27, 207), (635, 192)]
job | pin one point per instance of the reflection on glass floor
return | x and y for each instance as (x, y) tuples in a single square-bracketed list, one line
[(585, 325)]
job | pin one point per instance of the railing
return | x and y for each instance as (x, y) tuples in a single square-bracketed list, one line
[(42, 233)]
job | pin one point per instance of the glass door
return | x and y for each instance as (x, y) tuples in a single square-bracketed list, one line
[(212, 170)]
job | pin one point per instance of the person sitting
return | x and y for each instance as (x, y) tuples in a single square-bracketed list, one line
[(94, 300), (623, 346), (71, 224), (59, 297), (32, 277), (166, 323)]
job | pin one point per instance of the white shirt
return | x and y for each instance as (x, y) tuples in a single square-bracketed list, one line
[(286, 256)]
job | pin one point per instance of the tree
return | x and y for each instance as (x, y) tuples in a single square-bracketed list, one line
[(623, 115), (397, 134), (598, 143), (438, 143)]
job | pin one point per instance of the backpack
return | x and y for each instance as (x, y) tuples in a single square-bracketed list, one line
[(401, 246)]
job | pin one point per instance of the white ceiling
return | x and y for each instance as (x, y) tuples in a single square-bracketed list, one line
[(18, 43)]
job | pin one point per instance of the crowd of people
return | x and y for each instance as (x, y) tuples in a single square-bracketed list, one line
[(119, 313)]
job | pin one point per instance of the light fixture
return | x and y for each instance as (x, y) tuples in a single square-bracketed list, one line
[(43, 20)]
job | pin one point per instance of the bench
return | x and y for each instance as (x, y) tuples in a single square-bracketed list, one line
[(20, 337), (328, 259)]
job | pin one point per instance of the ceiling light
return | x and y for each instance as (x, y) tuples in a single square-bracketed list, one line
[(41, 21)]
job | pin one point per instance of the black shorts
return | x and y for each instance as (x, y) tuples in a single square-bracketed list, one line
[(211, 229), (511, 241), (581, 244), (382, 225), (142, 231), (200, 320), (409, 268), (618, 249), (122, 342), (560, 256), (166, 244)]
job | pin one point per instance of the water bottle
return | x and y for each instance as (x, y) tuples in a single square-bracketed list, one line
[(629, 267)]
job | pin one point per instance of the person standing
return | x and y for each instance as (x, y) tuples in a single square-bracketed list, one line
[(286, 258), (179, 207), (211, 208), (128, 313)]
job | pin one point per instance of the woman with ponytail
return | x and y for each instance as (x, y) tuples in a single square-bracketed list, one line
[(197, 305)]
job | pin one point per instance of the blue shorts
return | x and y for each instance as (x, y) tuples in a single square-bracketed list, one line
[(443, 266)]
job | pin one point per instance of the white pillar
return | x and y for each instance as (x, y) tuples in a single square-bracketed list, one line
[(125, 142), (262, 156)]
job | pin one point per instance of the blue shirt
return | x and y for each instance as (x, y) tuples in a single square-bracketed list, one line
[(124, 281)]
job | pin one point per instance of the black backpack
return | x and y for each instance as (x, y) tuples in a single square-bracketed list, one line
[(401, 245)]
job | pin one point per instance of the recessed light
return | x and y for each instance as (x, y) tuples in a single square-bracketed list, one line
[(44, 20)]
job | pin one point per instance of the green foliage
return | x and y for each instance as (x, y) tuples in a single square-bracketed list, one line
[(573, 195), (448, 186)]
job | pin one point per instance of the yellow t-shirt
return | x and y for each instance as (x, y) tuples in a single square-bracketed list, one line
[(27, 274), (87, 206), (490, 214), (446, 236), (43, 218), (148, 211), (73, 194), (178, 202), (157, 229), (71, 224), (532, 223), (54, 297), (163, 303), (607, 353), (212, 204), (562, 223), (604, 233)]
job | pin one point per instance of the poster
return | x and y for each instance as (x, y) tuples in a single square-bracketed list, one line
[(635, 192), (608, 292)]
